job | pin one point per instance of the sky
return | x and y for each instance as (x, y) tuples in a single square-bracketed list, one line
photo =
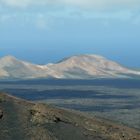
[(45, 31)]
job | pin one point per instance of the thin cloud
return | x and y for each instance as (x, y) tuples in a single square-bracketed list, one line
[(41, 23), (96, 4)]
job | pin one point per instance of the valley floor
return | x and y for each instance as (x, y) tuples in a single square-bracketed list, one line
[(115, 100)]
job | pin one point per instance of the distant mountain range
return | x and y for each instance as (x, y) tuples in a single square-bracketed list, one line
[(75, 67)]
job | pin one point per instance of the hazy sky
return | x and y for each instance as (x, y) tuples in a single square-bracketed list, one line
[(43, 31)]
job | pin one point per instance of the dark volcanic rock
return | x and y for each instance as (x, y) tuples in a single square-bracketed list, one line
[(1, 114)]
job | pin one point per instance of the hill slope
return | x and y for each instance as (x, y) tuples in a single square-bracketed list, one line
[(24, 120), (75, 67)]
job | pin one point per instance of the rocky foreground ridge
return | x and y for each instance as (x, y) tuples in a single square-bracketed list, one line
[(23, 120)]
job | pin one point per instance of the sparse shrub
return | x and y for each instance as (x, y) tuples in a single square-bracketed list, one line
[(32, 112), (1, 99)]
